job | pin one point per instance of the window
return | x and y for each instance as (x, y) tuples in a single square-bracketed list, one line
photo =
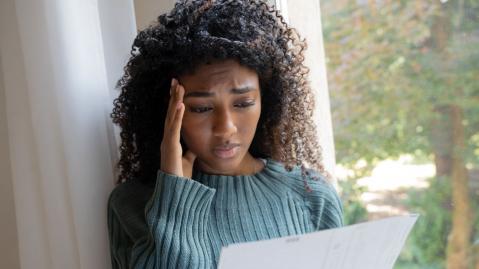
[(405, 104)]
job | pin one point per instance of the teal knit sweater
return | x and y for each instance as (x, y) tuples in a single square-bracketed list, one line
[(183, 223)]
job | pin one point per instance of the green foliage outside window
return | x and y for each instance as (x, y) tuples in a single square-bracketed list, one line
[(404, 79)]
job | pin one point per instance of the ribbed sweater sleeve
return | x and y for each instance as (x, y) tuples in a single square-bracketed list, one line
[(177, 219)]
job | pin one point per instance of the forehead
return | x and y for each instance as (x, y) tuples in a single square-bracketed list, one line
[(218, 75)]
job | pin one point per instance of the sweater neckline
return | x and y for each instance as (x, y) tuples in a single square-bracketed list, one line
[(272, 173), (229, 183), (266, 161)]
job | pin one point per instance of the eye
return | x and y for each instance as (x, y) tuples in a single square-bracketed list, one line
[(244, 104), (206, 109), (200, 109)]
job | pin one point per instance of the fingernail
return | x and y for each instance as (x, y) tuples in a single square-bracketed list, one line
[(178, 106), (173, 80)]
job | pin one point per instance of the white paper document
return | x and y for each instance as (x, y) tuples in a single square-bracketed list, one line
[(371, 245)]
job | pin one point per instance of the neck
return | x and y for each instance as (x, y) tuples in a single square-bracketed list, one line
[(249, 165)]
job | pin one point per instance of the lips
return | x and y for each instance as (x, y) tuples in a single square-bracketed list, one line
[(226, 151)]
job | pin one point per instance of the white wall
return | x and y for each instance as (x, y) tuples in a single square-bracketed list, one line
[(147, 11)]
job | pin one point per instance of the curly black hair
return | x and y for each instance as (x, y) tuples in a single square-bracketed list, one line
[(195, 32)]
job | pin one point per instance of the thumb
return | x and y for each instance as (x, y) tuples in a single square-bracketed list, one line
[(187, 161)]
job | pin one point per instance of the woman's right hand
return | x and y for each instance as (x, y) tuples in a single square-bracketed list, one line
[(172, 159)]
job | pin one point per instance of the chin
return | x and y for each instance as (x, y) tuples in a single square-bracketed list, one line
[(223, 166)]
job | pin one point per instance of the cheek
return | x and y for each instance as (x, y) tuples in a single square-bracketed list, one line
[(254, 118), (194, 134)]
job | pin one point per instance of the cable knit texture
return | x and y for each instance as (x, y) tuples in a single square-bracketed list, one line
[(183, 223)]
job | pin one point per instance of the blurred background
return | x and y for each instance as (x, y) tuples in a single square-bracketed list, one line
[(403, 79), (397, 88)]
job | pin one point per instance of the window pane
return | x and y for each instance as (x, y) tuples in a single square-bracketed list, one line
[(404, 86)]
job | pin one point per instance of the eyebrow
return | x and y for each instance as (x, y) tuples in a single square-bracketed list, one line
[(210, 94)]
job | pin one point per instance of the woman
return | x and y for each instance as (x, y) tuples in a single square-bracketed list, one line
[(216, 126)]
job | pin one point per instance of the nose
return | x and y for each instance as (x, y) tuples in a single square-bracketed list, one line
[(224, 125)]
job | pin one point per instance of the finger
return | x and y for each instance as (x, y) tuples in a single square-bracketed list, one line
[(170, 113), (176, 125), (181, 92), (176, 98)]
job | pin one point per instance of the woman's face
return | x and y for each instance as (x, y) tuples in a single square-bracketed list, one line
[(222, 109)]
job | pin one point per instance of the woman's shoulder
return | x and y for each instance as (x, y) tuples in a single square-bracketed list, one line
[(320, 187), (316, 191), (310, 181), (128, 194), (127, 203), (323, 200)]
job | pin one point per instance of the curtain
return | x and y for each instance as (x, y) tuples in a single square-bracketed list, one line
[(60, 61)]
